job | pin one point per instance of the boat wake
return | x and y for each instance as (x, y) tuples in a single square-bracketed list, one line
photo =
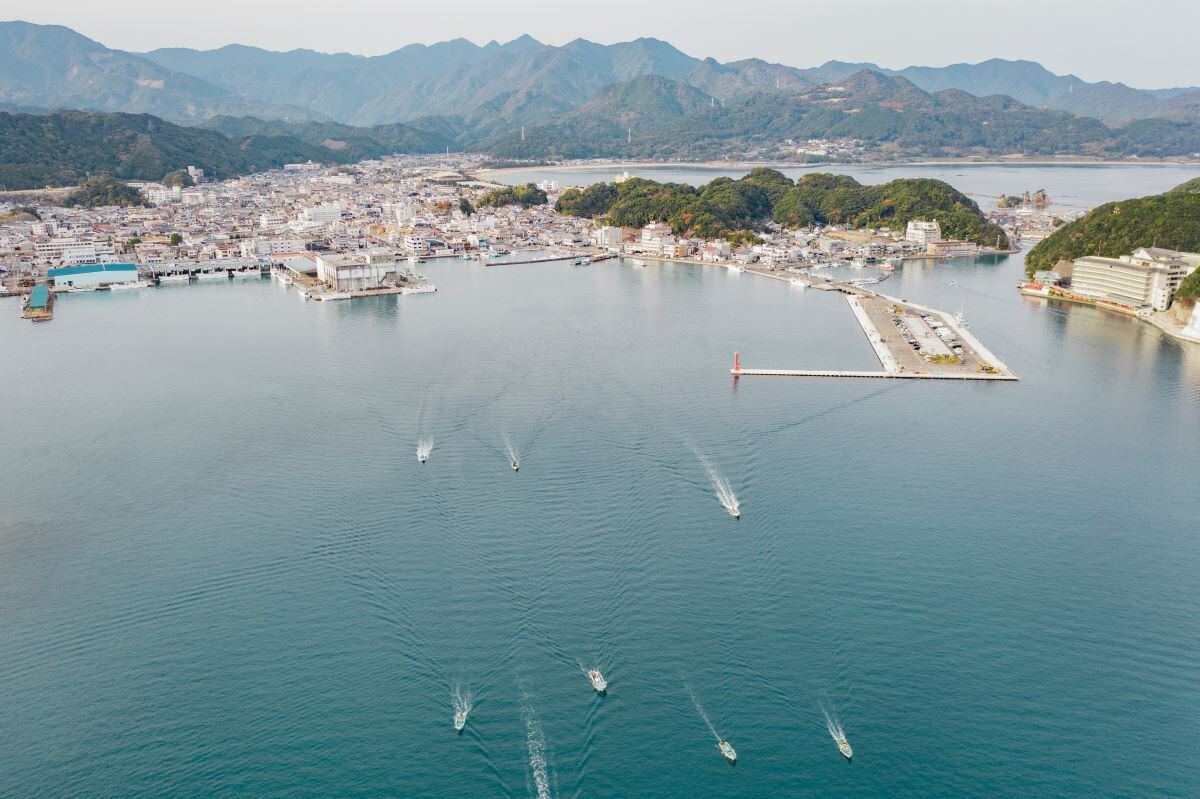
[(514, 454), (536, 741), (834, 726), (463, 701), (721, 487), (700, 709), (836, 732), (424, 449)]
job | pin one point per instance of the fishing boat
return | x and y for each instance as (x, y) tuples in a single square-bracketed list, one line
[(800, 283), (422, 457), (329, 296), (727, 750), (133, 284), (735, 513), (887, 266), (420, 288), (460, 720), (638, 262), (597, 680), (844, 747), (220, 274), (735, 268), (178, 277), (252, 272), (285, 278), (81, 289), (303, 292)]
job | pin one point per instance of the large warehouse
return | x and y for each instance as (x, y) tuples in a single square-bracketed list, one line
[(93, 275)]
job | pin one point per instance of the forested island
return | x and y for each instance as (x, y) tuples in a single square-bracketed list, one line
[(734, 209)]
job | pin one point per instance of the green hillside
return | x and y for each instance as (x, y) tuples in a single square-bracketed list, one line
[(725, 206), (1170, 220), (64, 148)]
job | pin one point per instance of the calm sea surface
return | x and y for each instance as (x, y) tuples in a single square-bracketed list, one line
[(223, 573)]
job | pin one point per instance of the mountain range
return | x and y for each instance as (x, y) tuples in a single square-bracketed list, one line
[(49, 66), (642, 98)]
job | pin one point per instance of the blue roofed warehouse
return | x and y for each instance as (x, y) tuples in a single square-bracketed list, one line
[(93, 275)]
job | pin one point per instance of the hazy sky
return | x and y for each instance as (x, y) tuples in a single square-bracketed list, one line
[(1149, 44)]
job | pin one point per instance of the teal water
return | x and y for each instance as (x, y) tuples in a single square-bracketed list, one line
[(223, 572)]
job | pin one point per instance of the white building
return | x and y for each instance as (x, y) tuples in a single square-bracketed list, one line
[(921, 232), (1147, 278), (607, 236), (357, 272), (323, 214)]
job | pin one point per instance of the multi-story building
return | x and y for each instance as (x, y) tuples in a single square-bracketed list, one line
[(920, 231), (1147, 278)]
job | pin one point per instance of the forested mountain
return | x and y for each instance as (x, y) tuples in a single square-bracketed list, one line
[(891, 111), (1170, 220), (65, 147), (343, 141), (49, 66)]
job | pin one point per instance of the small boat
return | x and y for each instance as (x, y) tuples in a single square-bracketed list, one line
[(844, 747), (516, 465), (460, 720), (422, 457), (638, 262), (303, 292), (960, 320), (735, 513), (597, 680), (420, 288), (800, 283), (254, 273), (285, 279), (178, 277), (133, 284), (80, 289), (727, 750), (887, 266), (329, 296), (220, 274), (735, 268)]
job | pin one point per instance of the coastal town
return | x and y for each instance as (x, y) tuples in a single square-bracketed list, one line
[(340, 233), (360, 230)]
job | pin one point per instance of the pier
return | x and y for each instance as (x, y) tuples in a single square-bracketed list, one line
[(911, 341)]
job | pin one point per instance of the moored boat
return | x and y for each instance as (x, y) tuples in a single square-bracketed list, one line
[(133, 284)]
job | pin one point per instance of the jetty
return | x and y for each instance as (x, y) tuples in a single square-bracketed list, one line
[(911, 341)]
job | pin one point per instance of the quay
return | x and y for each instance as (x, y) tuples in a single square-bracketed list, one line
[(911, 341)]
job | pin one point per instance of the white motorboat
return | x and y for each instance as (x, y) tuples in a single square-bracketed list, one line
[(460, 720), (735, 512), (844, 747), (133, 284), (178, 277), (638, 262), (329, 296), (420, 288), (597, 680), (285, 278), (220, 274), (728, 751)]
